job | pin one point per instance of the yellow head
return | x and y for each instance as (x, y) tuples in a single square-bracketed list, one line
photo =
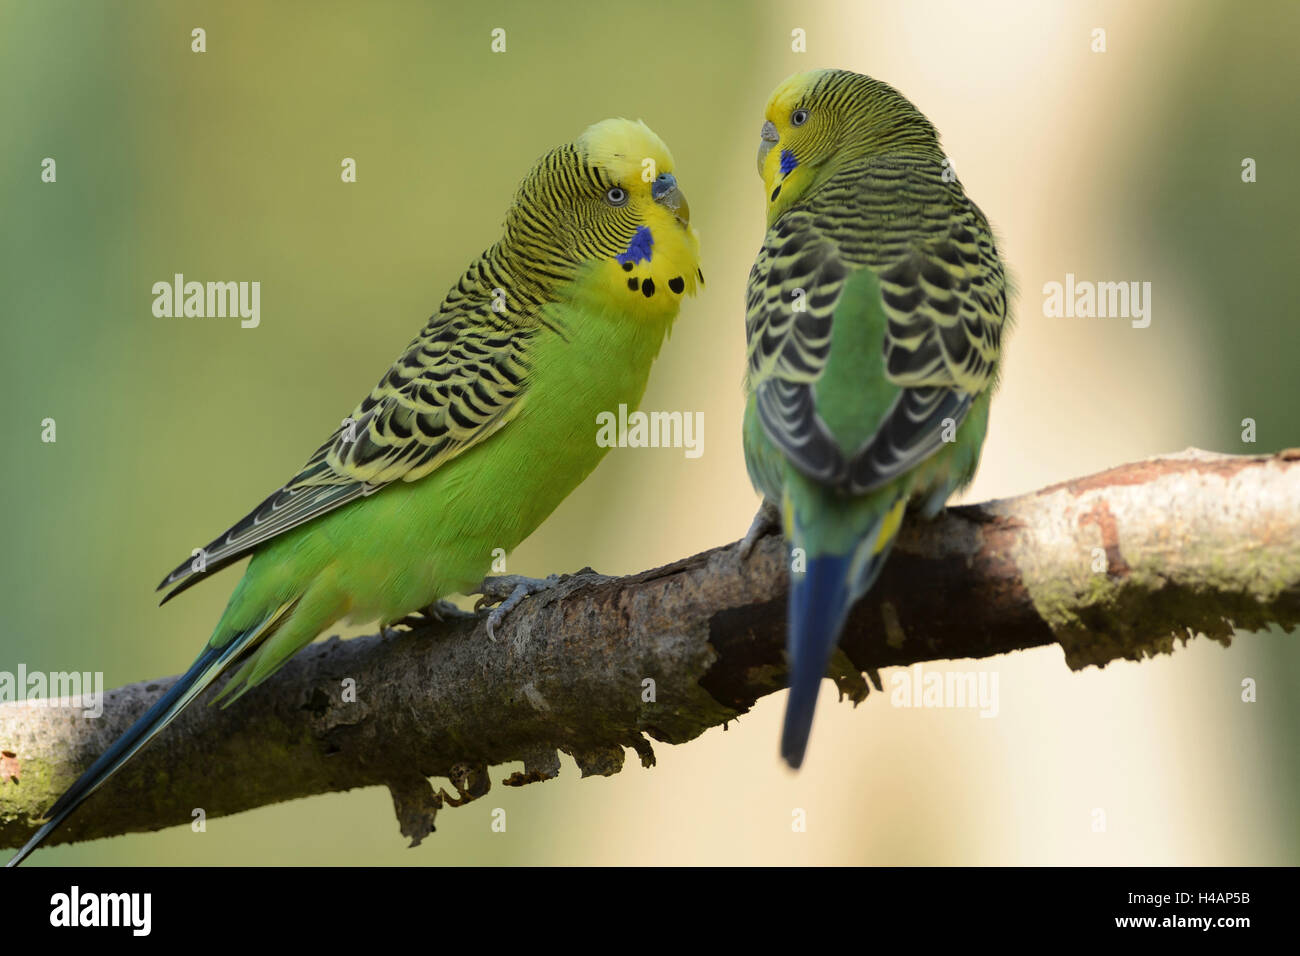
[(817, 120), (609, 202)]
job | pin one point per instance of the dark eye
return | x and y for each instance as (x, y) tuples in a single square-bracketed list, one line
[(616, 196), (798, 117)]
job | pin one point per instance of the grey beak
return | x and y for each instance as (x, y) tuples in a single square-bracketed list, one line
[(665, 192), (767, 139)]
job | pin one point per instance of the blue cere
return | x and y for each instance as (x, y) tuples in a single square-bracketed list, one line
[(638, 250), (788, 162)]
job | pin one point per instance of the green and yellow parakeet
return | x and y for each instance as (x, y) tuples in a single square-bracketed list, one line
[(482, 426), (875, 314)]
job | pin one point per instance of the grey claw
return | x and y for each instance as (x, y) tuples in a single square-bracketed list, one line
[(439, 611), (767, 519), (520, 587)]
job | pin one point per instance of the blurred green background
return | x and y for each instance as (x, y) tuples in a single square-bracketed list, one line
[(1122, 165)]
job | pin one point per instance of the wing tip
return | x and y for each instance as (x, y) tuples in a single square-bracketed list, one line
[(184, 575), (185, 582)]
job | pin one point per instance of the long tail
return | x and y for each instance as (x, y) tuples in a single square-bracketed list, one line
[(207, 668), (819, 603), (820, 600)]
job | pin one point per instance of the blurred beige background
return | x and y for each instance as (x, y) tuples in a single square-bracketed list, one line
[(1122, 165)]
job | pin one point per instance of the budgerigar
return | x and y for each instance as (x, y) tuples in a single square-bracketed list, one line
[(476, 433), (875, 314)]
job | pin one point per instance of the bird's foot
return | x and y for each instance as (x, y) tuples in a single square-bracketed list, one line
[(765, 522), (506, 592), (439, 612)]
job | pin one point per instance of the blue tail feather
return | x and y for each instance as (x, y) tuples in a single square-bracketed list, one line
[(206, 669), (820, 599)]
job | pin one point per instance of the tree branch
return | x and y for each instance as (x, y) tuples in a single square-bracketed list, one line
[(1191, 543)]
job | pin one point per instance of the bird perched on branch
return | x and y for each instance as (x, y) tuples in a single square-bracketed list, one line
[(875, 314), (482, 426)]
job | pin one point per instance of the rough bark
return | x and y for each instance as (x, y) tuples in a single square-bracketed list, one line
[(1192, 543)]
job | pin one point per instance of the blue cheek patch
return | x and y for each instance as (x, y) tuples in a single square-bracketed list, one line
[(788, 162), (638, 250)]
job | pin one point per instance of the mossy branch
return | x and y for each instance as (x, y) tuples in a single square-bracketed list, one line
[(1115, 565)]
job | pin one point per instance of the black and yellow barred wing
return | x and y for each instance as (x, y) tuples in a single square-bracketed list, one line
[(943, 292), (462, 379)]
